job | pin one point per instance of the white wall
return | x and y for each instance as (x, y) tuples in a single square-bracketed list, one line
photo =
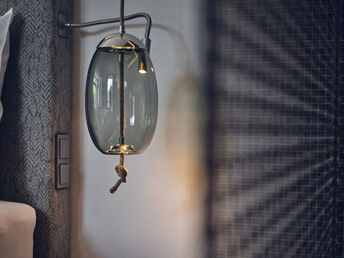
[(159, 211)]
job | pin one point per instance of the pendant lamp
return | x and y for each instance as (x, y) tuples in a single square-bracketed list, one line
[(121, 92)]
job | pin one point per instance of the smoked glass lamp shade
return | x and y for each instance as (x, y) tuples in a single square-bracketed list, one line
[(121, 89)]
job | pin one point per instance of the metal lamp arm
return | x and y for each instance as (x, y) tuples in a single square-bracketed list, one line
[(114, 20)]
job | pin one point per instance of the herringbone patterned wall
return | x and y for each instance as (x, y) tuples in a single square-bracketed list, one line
[(37, 104)]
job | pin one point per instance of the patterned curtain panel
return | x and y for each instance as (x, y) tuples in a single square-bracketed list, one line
[(37, 104), (275, 87)]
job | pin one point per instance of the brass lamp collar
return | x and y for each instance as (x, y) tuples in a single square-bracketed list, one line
[(121, 41)]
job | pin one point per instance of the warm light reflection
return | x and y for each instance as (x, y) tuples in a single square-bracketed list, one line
[(140, 101)]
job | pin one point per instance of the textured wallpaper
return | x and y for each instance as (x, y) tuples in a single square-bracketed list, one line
[(37, 104), (275, 87)]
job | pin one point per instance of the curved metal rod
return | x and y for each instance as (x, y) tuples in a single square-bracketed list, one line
[(114, 20)]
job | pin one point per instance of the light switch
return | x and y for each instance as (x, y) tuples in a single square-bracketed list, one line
[(64, 174), (64, 148), (62, 170)]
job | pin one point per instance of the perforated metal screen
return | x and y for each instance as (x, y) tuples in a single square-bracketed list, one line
[(275, 92)]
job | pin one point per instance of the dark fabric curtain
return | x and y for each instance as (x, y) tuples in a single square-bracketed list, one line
[(275, 155)]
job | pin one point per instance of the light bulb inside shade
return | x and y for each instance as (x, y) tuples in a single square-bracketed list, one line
[(142, 63)]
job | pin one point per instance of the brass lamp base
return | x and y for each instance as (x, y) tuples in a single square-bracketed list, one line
[(122, 149)]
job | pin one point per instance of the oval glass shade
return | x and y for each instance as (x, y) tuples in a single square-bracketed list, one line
[(103, 100)]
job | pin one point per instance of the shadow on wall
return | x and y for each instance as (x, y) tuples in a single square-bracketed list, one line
[(185, 118), (184, 130), (77, 177)]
